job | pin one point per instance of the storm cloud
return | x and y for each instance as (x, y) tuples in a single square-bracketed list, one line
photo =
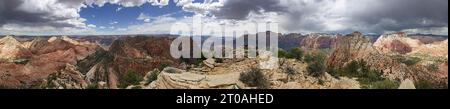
[(373, 16), (45, 13), (339, 16), (240, 9)]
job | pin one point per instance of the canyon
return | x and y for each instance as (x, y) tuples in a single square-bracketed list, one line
[(144, 62)]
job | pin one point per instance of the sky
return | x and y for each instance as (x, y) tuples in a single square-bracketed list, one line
[(116, 17)]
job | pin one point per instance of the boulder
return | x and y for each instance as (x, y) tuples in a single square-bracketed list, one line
[(267, 60), (67, 78), (181, 79), (407, 84), (102, 85), (210, 62)]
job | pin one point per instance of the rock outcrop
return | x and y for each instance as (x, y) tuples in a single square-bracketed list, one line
[(396, 43), (357, 47), (210, 62), (228, 78), (11, 49), (129, 54), (351, 47), (407, 84), (173, 78), (67, 78), (282, 79), (317, 41)]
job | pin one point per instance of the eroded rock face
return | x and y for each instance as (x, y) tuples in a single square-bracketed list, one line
[(67, 78), (290, 41), (11, 49), (396, 43), (44, 57), (351, 47), (318, 41), (357, 47), (129, 54)]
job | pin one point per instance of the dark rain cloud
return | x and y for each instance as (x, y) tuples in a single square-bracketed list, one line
[(10, 13), (396, 15), (375, 16), (240, 9)]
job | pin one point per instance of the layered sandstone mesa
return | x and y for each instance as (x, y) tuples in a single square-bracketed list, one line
[(396, 43), (11, 49), (290, 41), (402, 44), (357, 47), (46, 58), (439, 48), (317, 41), (82, 49)]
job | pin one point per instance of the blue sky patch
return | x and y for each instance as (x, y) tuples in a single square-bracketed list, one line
[(113, 16)]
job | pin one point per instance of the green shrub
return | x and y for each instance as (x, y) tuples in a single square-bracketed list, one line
[(284, 54), (409, 61), (423, 84), (358, 69), (369, 78), (255, 78), (297, 53), (316, 69), (315, 57), (308, 58), (433, 67), (290, 71), (153, 76), (162, 66), (92, 86), (316, 63), (131, 78), (384, 84)]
